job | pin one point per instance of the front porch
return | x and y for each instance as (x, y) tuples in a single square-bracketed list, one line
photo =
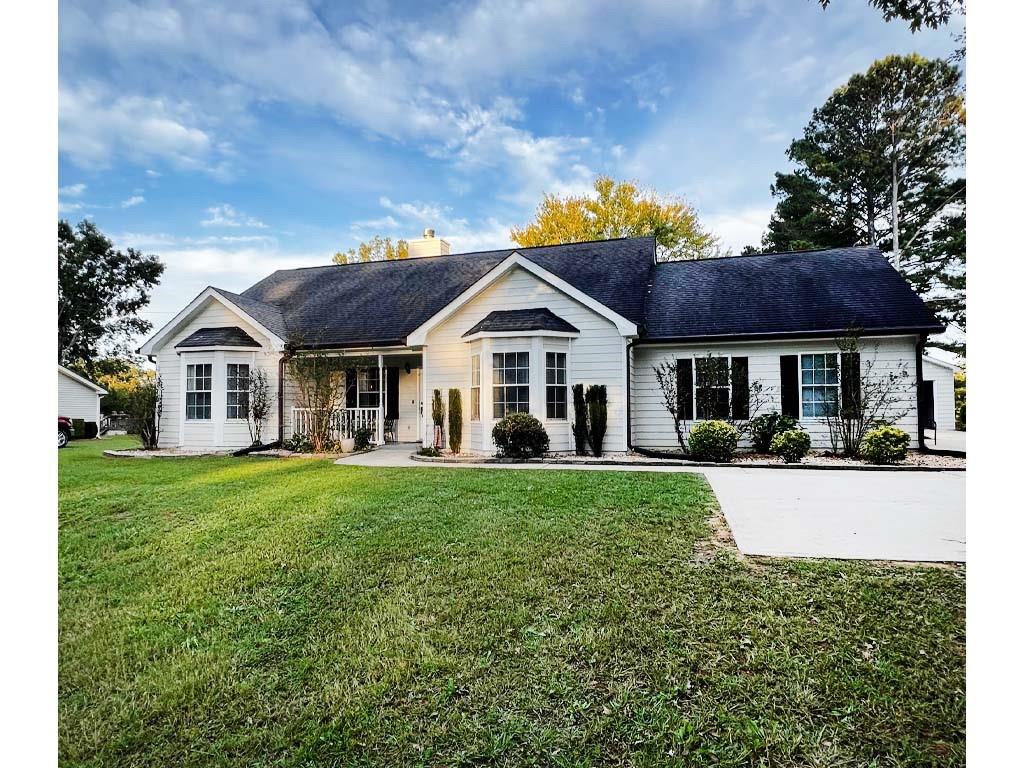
[(381, 392)]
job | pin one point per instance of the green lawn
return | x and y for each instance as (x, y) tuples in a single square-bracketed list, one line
[(219, 611)]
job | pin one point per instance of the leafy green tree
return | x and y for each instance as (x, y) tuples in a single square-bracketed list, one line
[(377, 249), (879, 164), (100, 291), (620, 209)]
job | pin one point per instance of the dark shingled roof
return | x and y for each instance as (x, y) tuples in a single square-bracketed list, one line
[(522, 320), (782, 294), (383, 302), (229, 336)]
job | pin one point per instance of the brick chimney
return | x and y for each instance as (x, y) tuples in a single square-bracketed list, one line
[(428, 245)]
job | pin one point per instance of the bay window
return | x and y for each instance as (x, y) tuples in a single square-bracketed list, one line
[(555, 385), (238, 390), (198, 391), (511, 383)]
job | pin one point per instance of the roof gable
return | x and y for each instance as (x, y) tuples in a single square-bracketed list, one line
[(224, 336)]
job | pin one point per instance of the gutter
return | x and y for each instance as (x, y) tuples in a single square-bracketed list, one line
[(771, 335), (629, 399)]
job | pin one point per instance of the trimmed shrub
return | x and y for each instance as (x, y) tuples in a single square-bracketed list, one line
[(437, 414), (298, 443), (362, 438), (429, 451), (713, 441), (885, 445), (791, 444), (765, 427), (520, 436), (597, 415), (580, 432), (455, 420)]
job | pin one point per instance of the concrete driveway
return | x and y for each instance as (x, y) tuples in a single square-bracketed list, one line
[(866, 515)]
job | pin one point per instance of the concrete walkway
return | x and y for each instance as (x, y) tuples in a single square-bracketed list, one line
[(916, 516)]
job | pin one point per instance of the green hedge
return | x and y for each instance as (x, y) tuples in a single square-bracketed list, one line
[(713, 441), (885, 445)]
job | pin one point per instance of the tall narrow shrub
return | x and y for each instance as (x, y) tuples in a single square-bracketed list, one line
[(455, 420), (437, 412), (579, 422), (597, 413)]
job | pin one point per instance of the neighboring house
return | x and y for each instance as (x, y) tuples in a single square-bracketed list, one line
[(514, 329), (77, 397), (938, 378)]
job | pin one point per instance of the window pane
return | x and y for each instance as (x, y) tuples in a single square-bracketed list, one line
[(523, 360)]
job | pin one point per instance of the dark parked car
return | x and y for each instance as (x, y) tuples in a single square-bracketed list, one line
[(64, 431)]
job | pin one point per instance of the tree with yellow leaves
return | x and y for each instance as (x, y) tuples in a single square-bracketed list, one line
[(620, 209), (377, 249)]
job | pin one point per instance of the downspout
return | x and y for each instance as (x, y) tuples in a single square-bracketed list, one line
[(629, 399), (280, 398), (919, 361)]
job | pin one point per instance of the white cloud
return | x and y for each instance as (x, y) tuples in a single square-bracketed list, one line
[(73, 190), (133, 201), (63, 207), (96, 126), (226, 216), (738, 228), (152, 174)]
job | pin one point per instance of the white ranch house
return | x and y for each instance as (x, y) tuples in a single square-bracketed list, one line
[(514, 329)]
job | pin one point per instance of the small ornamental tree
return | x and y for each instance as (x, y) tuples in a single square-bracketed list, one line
[(258, 408), (580, 432), (597, 415), (872, 395), (320, 380), (437, 413), (145, 406), (455, 420)]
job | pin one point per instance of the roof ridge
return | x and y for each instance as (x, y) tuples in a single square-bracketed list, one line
[(806, 251)]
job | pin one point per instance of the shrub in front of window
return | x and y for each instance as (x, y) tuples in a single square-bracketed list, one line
[(791, 444), (765, 427), (885, 445), (713, 441), (597, 415), (362, 437), (455, 420), (580, 431), (520, 436)]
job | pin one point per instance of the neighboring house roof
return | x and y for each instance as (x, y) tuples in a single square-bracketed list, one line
[(942, 363), (381, 303), (81, 380), (505, 321), (780, 294), (230, 336)]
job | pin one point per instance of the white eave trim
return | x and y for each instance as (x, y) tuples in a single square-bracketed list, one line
[(82, 380), (157, 340), (520, 334), (216, 348), (419, 336)]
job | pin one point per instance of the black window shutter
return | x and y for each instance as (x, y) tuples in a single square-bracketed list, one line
[(849, 380), (391, 407), (789, 371), (684, 388), (350, 388), (740, 389)]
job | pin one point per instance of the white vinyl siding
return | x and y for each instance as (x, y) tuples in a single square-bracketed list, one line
[(652, 425), (597, 356), (75, 400), (219, 431), (943, 386)]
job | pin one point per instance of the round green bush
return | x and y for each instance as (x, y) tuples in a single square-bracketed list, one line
[(520, 436), (885, 445), (765, 427), (713, 441), (792, 445)]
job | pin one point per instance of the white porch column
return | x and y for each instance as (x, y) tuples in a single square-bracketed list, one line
[(380, 403)]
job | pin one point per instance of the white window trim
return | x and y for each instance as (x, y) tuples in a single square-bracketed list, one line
[(360, 391), (228, 391), (209, 391), (800, 382), (565, 386), (517, 351), (478, 387)]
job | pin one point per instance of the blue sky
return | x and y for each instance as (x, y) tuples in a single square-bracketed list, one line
[(233, 139)]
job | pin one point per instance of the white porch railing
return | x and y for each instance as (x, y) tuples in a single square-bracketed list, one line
[(344, 422)]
